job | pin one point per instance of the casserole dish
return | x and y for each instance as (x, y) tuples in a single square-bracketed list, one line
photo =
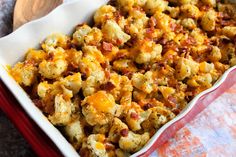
[(27, 35)]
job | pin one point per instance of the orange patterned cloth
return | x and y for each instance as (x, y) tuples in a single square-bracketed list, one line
[(211, 132)]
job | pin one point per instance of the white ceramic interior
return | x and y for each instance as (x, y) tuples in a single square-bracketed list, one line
[(63, 19)]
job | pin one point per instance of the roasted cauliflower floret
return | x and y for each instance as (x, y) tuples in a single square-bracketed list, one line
[(136, 22), (190, 11), (24, 73), (209, 20), (35, 56), (114, 34), (206, 67), (153, 6), (74, 130), (135, 118), (126, 5), (166, 91), (215, 54), (229, 31), (144, 82), (211, 3), (124, 66), (116, 130), (55, 40), (94, 146), (93, 37), (80, 33), (74, 57), (163, 21), (188, 23), (52, 69), (99, 108), (62, 114), (148, 52), (103, 14), (133, 142), (203, 80), (158, 117), (73, 82), (93, 53), (186, 67)]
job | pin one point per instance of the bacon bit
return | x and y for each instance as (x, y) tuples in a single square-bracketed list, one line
[(107, 46), (107, 86), (163, 41), (134, 115), (84, 152), (124, 132), (152, 22), (126, 28), (118, 42), (83, 76), (38, 103), (189, 41), (172, 99), (205, 8), (109, 146), (107, 74), (170, 45), (50, 56), (117, 16), (176, 111), (148, 106)]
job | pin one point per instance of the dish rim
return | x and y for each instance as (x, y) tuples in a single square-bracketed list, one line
[(52, 132)]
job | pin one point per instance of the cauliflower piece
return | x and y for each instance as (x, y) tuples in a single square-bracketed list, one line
[(174, 11), (91, 67), (80, 33), (103, 14), (126, 5), (62, 114), (116, 130), (229, 31), (203, 80), (134, 119), (125, 66), (148, 52), (186, 67), (198, 35), (215, 54), (136, 22), (166, 91), (43, 89), (114, 34), (36, 56), (208, 22), (94, 146), (52, 69), (74, 130), (206, 67), (159, 116), (210, 2), (93, 53), (144, 82), (99, 108), (93, 37), (73, 82), (163, 21), (123, 89), (153, 6), (55, 40), (133, 142), (74, 57), (24, 73), (188, 23), (190, 11)]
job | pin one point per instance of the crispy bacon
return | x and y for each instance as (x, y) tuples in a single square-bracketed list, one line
[(107, 86), (134, 115), (107, 47), (124, 132)]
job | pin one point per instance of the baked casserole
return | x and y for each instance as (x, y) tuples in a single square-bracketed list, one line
[(110, 86)]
